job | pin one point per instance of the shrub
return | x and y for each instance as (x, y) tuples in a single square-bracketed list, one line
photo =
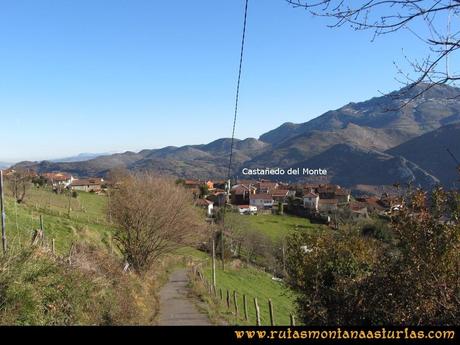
[(154, 216), (349, 279), (37, 289)]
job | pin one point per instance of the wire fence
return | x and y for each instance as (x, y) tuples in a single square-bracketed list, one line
[(245, 309)]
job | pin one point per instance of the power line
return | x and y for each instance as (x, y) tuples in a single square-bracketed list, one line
[(235, 117)]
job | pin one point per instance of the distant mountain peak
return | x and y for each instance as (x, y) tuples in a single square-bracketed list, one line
[(360, 143)]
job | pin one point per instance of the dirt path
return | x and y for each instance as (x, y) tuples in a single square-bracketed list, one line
[(176, 307)]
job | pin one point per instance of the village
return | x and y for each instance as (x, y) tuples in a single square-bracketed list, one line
[(60, 181), (318, 202)]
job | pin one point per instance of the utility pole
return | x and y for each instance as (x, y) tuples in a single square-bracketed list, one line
[(2, 206), (214, 283), (222, 246), (70, 202), (222, 238), (283, 248)]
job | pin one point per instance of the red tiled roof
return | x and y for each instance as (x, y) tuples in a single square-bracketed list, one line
[(241, 189), (328, 201), (310, 195), (262, 196), (280, 192), (87, 182), (203, 202), (267, 184), (58, 176), (358, 206)]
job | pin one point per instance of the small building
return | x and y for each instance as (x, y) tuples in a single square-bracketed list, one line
[(266, 187), (311, 201), (262, 201), (373, 203), (280, 195), (59, 179), (343, 196), (359, 210), (218, 197), (206, 204), (88, 185), (328, 205), (326, 191), (240, 194), (247, 209)]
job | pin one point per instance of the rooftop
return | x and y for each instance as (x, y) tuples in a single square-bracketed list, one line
[(262, 196)]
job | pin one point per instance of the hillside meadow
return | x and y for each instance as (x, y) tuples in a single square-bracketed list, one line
[(82, 283)]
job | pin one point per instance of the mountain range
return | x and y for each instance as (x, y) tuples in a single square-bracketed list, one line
[(79, 158), (388, 139)]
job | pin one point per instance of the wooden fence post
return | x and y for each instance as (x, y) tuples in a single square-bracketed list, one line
[(245, 306), (221, 295), (235, 301), (272, 316), (257, 312), (228, 299), (292, 320), (53, 246), (70, 254), (42, 228)]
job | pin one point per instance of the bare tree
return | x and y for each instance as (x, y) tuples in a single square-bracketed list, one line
[(154, 216), (19, 182), (434, 22)]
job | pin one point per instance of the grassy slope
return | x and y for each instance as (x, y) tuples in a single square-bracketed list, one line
[(246, 280), (87, 222), (37, 289), (277, 227)]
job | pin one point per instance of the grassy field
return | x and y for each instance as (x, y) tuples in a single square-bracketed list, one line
[(38, 288), (278, 227), (245, 280), (87, 221)]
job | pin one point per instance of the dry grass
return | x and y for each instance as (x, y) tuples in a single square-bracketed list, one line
[(39, 289)]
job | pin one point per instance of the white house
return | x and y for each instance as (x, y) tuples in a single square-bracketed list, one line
[(247, 209), (311, 201), (208, 205), (261, 201), (59, 179)]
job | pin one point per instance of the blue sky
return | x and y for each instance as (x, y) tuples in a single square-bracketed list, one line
[(114, 75)]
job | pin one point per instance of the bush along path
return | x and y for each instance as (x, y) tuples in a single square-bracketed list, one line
[(177, 308)]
